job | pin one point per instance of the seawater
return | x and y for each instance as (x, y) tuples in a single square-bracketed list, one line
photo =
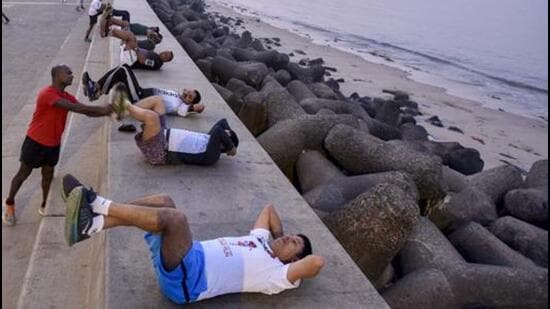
[(491, 51)]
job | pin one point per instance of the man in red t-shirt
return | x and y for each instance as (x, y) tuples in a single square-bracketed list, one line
[(42, 143)]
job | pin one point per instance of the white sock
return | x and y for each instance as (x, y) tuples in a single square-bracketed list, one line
[(97, 225), (101, 205)]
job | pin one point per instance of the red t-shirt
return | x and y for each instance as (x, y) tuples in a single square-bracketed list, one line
[(48, 121)]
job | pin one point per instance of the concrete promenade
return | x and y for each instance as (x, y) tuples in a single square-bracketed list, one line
[(114, 270), (30, 47)]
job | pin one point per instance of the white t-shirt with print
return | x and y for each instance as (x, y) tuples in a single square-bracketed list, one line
[(171, 99), (185, 141), (243, 264), (95, 5)]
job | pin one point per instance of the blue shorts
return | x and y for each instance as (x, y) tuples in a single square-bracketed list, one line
[(170, 282)]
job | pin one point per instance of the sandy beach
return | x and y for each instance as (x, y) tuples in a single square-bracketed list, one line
[(499, 136)]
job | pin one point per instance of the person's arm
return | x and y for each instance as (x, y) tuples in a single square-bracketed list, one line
[(88, 110), (142, 57), (307, 267), (269, 220), (196, 108)]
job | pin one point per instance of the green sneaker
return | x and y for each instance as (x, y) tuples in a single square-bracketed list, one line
[(120, 101), (68, 183), (78, 216)]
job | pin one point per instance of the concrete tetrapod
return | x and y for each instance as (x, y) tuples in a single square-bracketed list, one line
[(308, 75), (470, 204), (538, 175), (447, 151), (427, 247), (455, 181), (270, 58), (193, 49), (314, 169), (497, 181), (239, 87), (528, 239), (472, 284), (234, 101), (198, 35), (374, 226), (280, 104), (323, 91), (334, 194), (285, 140), (424, 288), (413, 132), (283, 77), (376, 128), (360, 153), (299, 90), (253, 73), (389, 113), (530, 204), (253, 113), (478, 245), (488, 286), (204, 24)]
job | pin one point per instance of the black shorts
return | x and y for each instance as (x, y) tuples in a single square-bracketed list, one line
[(37, 155), (93, 19)]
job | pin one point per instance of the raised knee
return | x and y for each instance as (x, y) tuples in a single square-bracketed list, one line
[(168, 201), (151, 117), (170, 218)]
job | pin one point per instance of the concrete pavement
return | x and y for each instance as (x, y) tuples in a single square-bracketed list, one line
[(34, 40)]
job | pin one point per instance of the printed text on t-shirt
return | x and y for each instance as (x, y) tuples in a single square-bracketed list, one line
[(226, 249)]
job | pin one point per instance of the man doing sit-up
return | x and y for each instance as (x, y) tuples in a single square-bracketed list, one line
[(161, 145), (175, 103), (187, 270), (153, 35), (136, 57)]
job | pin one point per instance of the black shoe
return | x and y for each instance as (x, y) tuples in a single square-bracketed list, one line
[(89, 87), (127, 128), (78, 216), (69, 183)]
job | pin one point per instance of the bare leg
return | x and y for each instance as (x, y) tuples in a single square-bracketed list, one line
[(118, 22), (17, 181), (47, 176), (157, 200), (176, 234), (126, 36), (149, 117), (87, 37), (152, 103)]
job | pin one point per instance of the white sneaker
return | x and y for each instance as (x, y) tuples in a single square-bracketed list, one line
[(8, 214)]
